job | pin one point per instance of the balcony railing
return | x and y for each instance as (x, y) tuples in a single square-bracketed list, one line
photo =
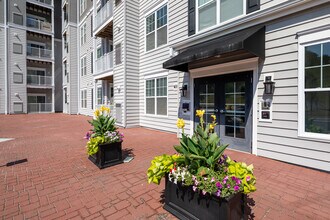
[(104, 14), (104, 63), (47, 2), (39, 80), (39, 107), (38, 52), (40, 25)]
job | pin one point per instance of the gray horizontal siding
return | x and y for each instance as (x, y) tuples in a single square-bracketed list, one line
[(279, 139)]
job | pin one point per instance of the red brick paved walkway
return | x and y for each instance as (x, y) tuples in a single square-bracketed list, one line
[(58, 182)]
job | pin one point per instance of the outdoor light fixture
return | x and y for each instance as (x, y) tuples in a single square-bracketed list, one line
[(184, 90), (269, 85)]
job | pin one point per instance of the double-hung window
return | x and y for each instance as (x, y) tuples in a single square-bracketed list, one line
[(156, 28), (99, 95), (212, 12), (83, 66), (314, 93), (83, 34), (83, 98), (156, 96), (83, 6)]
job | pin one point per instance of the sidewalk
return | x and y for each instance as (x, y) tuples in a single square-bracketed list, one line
[(59, 182)]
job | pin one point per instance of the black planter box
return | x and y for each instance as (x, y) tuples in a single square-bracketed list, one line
[(108, 155), (184, 203)]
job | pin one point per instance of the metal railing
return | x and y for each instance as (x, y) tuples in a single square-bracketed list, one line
[(104, 63), (47, 2), (38, 52), (39, 80), (37, 24), (39, 107), (104, 14)]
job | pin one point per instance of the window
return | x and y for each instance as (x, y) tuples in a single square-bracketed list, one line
[(99, 96), (98, 52), (83, 6), (83, 98), (212, 12), (17, 48), (92, 98), (317, 88), (118, 54), (92, 62), (156, 29), (18, 78), (156, 96), (314, 84), (65, 95), (83, 66), (83, 34), (17, 19)]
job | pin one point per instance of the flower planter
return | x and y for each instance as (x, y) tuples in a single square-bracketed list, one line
[(184, 203), (108, 155)]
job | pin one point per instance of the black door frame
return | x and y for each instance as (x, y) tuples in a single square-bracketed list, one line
[(219, 81)]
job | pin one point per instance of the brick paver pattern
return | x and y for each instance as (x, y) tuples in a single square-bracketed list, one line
[(59, 182)]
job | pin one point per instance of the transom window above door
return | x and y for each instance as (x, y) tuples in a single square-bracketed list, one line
[(212, 12)]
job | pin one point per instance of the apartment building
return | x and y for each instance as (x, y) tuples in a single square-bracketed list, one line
[(261, 66), (30, 54)]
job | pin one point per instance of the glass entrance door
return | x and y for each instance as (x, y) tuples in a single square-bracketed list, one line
[(229, 97)]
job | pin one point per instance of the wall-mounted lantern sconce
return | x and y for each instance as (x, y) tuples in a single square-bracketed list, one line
[(269, 85), (184, 90)]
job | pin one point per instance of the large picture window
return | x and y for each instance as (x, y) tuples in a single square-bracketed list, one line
[(317, 88), (156, 29), (156, 96), (212, 12)]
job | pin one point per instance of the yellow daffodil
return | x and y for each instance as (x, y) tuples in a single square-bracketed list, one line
[(97, 113), (180, 123), (200, 113), (214, 117), (212, 126)]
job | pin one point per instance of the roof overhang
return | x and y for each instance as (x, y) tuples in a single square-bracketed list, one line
[(249, 42)]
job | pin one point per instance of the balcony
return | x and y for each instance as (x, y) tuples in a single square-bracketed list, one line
[(38, 52), (104, 63), (36, 80), (39, 107), (46, 2), (102, 27), (38, 25)]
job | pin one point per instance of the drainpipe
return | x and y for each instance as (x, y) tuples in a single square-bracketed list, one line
[(53, 64), (125, 66), (6, 59), (78, 57)]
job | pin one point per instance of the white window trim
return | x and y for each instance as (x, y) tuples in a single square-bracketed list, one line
[(318, 37), (150, 12), (83, 6), (159, 76), (218, 23), (83, 35), (82, 91), (83, 69), (96, 94)]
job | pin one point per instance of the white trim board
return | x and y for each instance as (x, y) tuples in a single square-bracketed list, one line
[(228, 68)]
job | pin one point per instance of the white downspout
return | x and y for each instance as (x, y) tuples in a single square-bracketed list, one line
[(53, 64), (125, 66), (6, 59)]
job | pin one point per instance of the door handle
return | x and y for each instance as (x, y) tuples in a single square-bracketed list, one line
[(216, 110), (222, 111)]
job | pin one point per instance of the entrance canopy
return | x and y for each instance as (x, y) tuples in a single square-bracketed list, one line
[(248, 41)]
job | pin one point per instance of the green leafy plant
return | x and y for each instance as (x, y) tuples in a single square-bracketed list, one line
[(102, 123), (203, 149), (103, 131), (161, 165)]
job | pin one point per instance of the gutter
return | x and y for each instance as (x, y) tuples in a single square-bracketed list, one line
[(6, 59), (249, 20)]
